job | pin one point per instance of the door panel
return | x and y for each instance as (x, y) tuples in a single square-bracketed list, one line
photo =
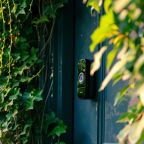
[(85, 111)]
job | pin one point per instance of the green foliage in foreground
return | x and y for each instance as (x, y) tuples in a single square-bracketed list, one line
[(122, 26)]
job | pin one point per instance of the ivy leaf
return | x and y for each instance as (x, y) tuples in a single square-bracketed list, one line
[(27, 101), (3, 82), (16, 93), (41, 20), (58, 130), (16, 57), (48, 119), (29, 104), (14, 9), (5, 125), (24, 57), (51, 118), (24, 79), (21, 8), (26, 95), (25, 129), (37, 94), (9, 116), (51, 11), (20, 69)]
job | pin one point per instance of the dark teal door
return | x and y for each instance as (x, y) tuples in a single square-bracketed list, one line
[(85, 111), (94, 122)]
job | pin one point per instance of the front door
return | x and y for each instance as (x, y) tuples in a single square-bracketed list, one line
[(94, 121)]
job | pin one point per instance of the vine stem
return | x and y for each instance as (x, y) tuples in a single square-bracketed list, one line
[(30, 6), (41, 127), (3, 37), (37, 74), (49, 38), (11, 41), (50, 88)]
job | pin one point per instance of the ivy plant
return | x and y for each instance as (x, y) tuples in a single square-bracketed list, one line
[(122, 30), (20, 68)]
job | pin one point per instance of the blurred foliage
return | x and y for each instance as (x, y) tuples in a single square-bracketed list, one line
[(21, 98), (122, 30)]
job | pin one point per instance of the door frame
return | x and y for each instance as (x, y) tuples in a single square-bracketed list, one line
[(63, 46)]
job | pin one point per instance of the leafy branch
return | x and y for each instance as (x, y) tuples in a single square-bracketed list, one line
[(122, 27)]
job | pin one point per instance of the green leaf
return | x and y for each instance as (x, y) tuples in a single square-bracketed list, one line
[(19, 70), (29, 104), (16, 93), (21, 8), (94, 4), (3, 82), (51, 118), (26, 128), (116, 78), (24, 79), (9, 116), (50, 11), (58, 130), (126, 117), (41, 20), (111, 56), (14, 9), (107, 4), (26, 95), (37, 94), (28, 101), (106, 30), (121, 95)]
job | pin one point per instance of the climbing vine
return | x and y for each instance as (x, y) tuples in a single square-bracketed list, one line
[(122, 30), (23, 43)]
